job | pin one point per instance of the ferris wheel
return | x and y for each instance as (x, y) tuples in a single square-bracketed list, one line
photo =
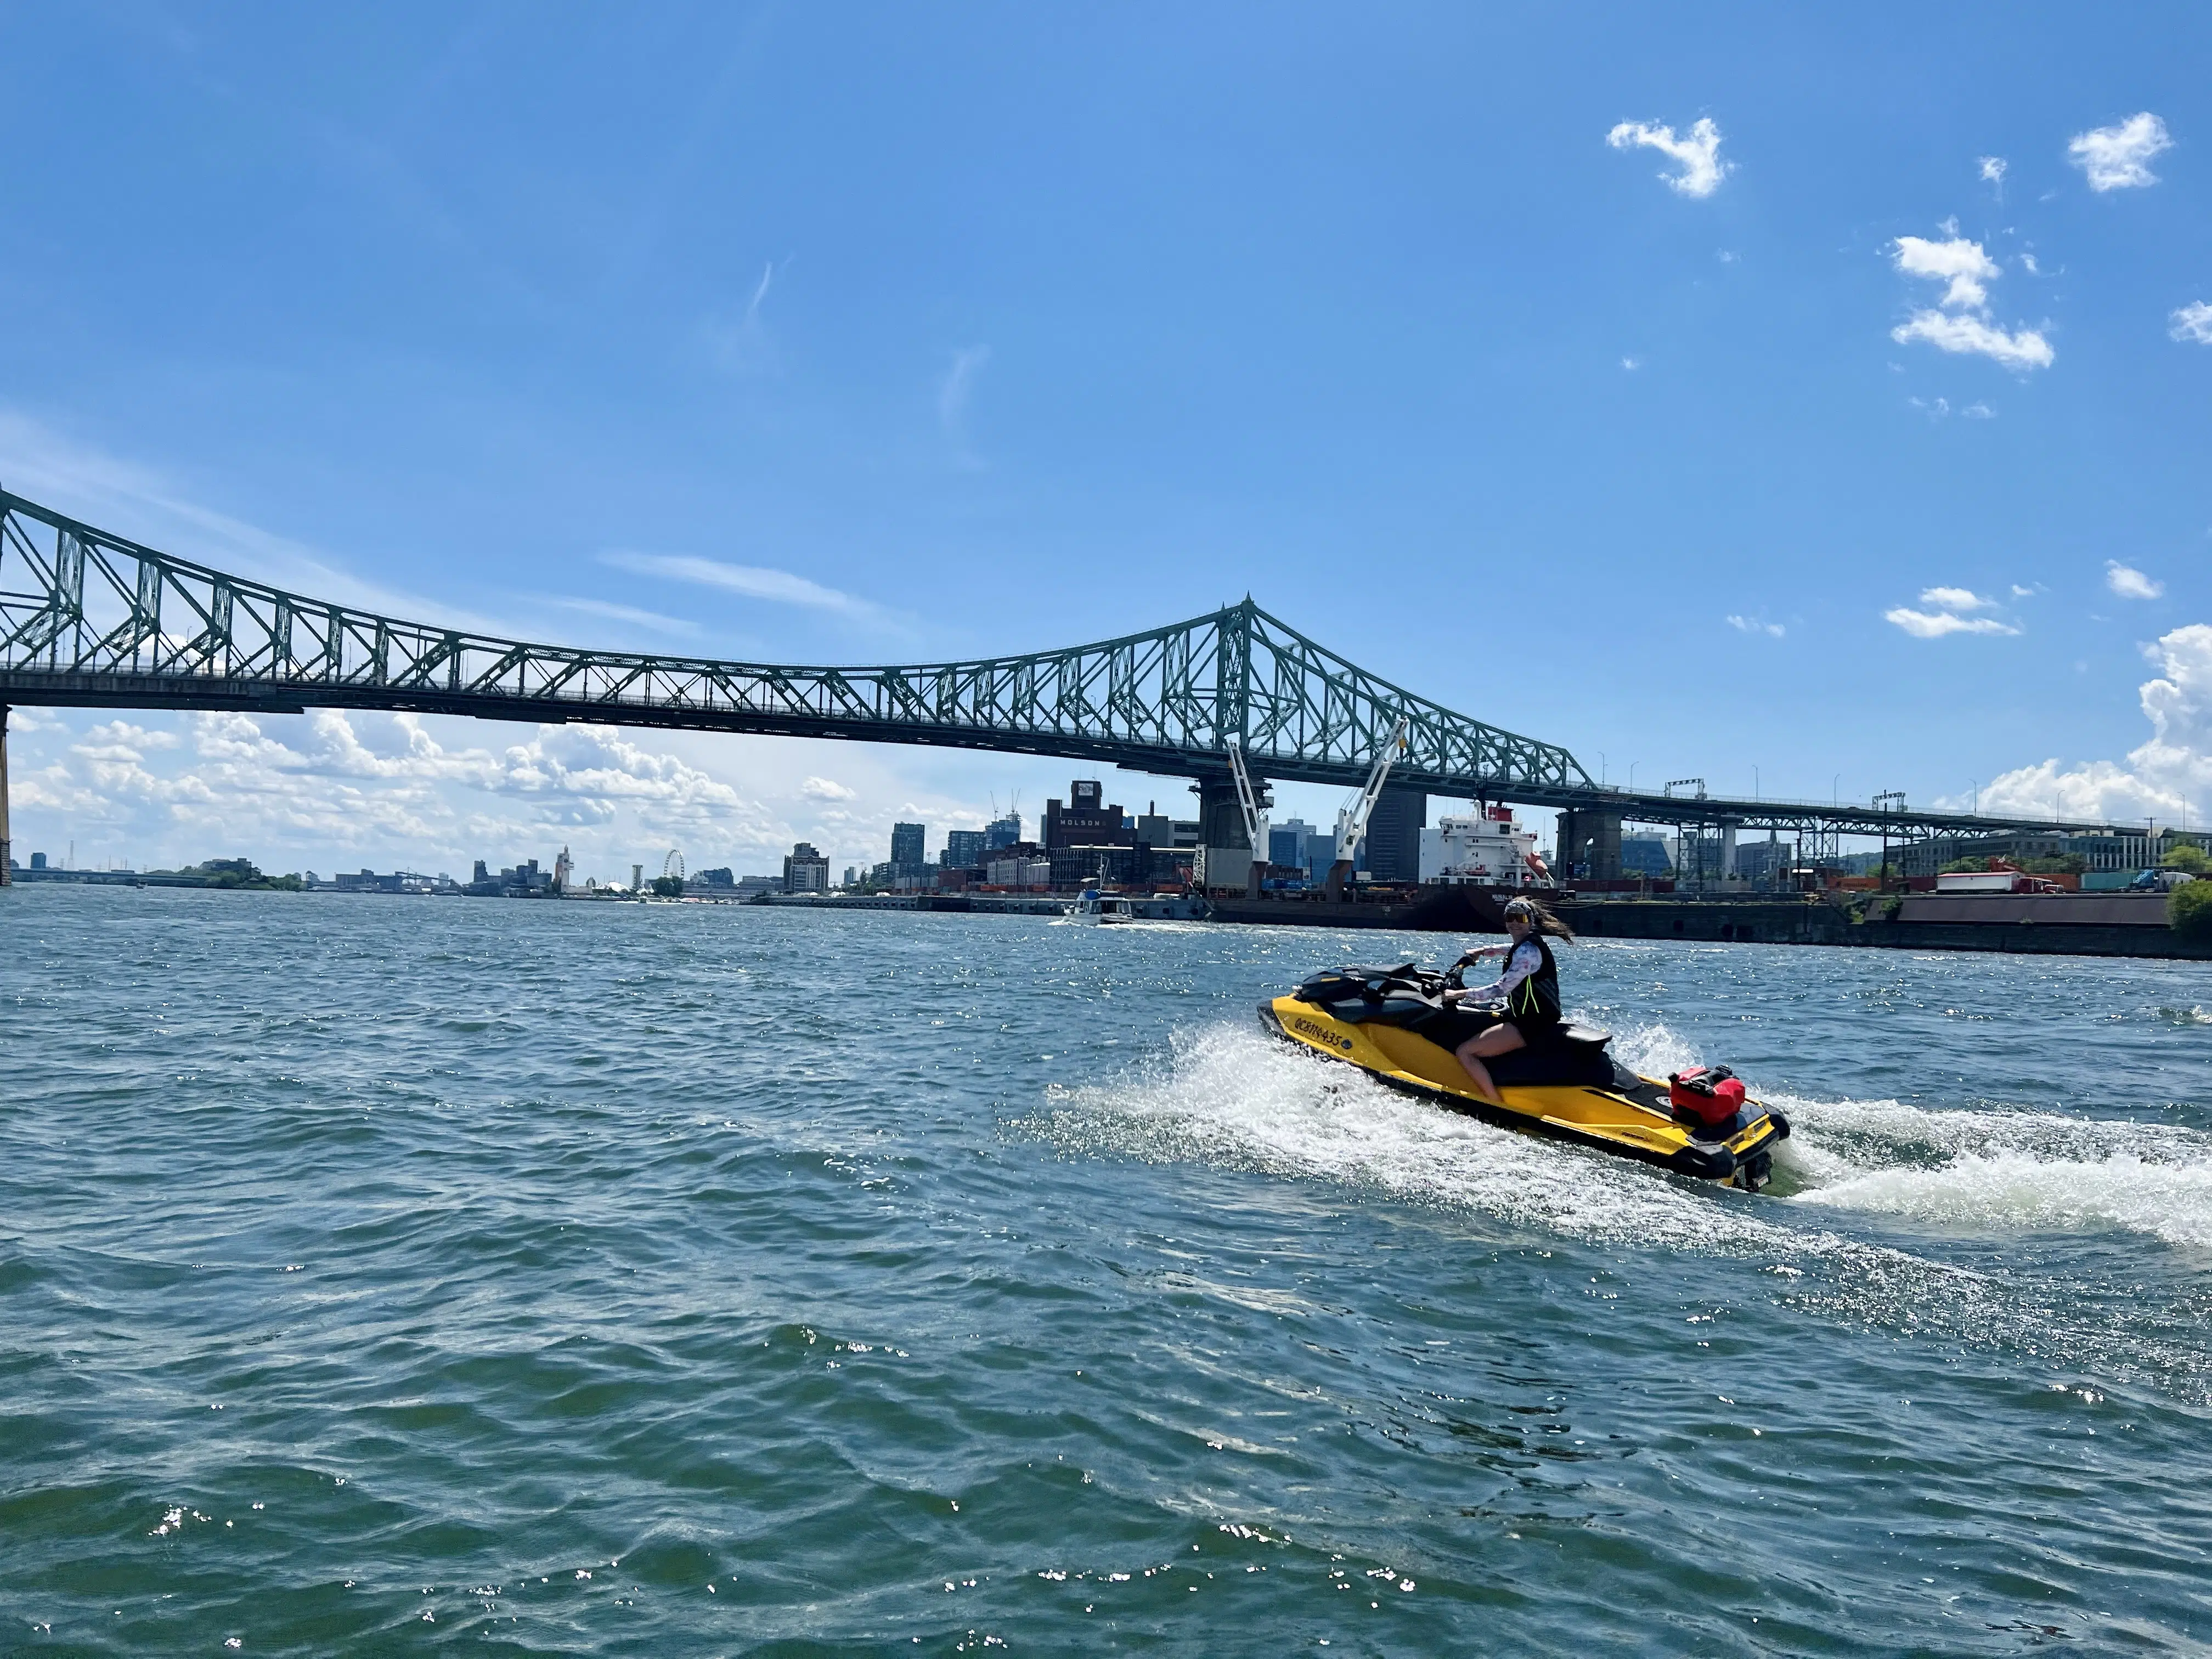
[(672, 865)]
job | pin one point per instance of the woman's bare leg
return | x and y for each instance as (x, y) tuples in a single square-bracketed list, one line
[(1498, 1039), (1481, 1072)]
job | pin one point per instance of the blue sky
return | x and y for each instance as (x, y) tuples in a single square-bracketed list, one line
[(1452, 337)]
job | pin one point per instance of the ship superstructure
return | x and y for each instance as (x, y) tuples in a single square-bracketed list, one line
[(1490, 848)]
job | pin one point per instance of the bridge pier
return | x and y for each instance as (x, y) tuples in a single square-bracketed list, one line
[(1590, 837), (1226, 854), (7, 866)]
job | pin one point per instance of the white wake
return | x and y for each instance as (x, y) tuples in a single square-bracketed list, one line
[(1236, 1096), (1983, 1170)]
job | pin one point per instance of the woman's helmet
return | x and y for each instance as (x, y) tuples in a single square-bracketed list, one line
[(1522, 908)]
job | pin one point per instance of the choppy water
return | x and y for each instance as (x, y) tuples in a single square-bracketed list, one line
[(383, 1274)]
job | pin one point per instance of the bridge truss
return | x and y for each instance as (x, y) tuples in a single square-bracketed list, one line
[(91, 619)]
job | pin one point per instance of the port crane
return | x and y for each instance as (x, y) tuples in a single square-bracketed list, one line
[(1351, 821), (1256, 820)]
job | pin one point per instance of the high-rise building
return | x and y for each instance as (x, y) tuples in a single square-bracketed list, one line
[(805, 871), (1088, 838), (1286, 843), (1393, 834), (907, 856), (1087, 820), (963, 849), (1002, 832)]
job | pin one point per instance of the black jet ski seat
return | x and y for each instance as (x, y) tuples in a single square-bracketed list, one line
[(1568, 1053)]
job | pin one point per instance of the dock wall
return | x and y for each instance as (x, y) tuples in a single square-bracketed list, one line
[(1742, 921)]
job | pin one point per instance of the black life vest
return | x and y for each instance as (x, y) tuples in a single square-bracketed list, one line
[(1533, 1003)]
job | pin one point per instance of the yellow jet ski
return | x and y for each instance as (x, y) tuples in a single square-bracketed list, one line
[(1698, 1122)]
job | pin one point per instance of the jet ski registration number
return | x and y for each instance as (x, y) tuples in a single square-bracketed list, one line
[(1308, 1028)]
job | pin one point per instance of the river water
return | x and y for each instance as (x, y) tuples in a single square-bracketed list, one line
[(384, 1274)]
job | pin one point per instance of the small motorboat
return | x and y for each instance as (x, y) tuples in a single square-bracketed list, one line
[(1697, 1122), (1094, 906)]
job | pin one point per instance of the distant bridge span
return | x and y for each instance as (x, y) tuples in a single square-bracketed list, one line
[(91, 620)]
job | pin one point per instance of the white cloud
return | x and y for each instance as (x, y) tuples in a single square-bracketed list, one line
[(1993, 169), (1958, 262), (331, 789), (2117, 157), (2027, 349), (1965, 270), (2019, 593), (1698, 153), (746, 345), (2129, 583), (338, 783), (1954, 598), (123, 731), (1924, 625), (2028, 264), (2192, 322), (1752, 625), (1632, 364), (2165, 777), (1979, 411), (751, 581), (954, 390), (631, 614)]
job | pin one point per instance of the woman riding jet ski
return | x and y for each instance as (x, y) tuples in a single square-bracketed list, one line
[(1420, 1030), (1528, 989)]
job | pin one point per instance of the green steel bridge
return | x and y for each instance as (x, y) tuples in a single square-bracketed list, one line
[(91, 620)]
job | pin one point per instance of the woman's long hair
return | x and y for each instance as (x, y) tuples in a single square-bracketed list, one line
[(1542, 920)]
